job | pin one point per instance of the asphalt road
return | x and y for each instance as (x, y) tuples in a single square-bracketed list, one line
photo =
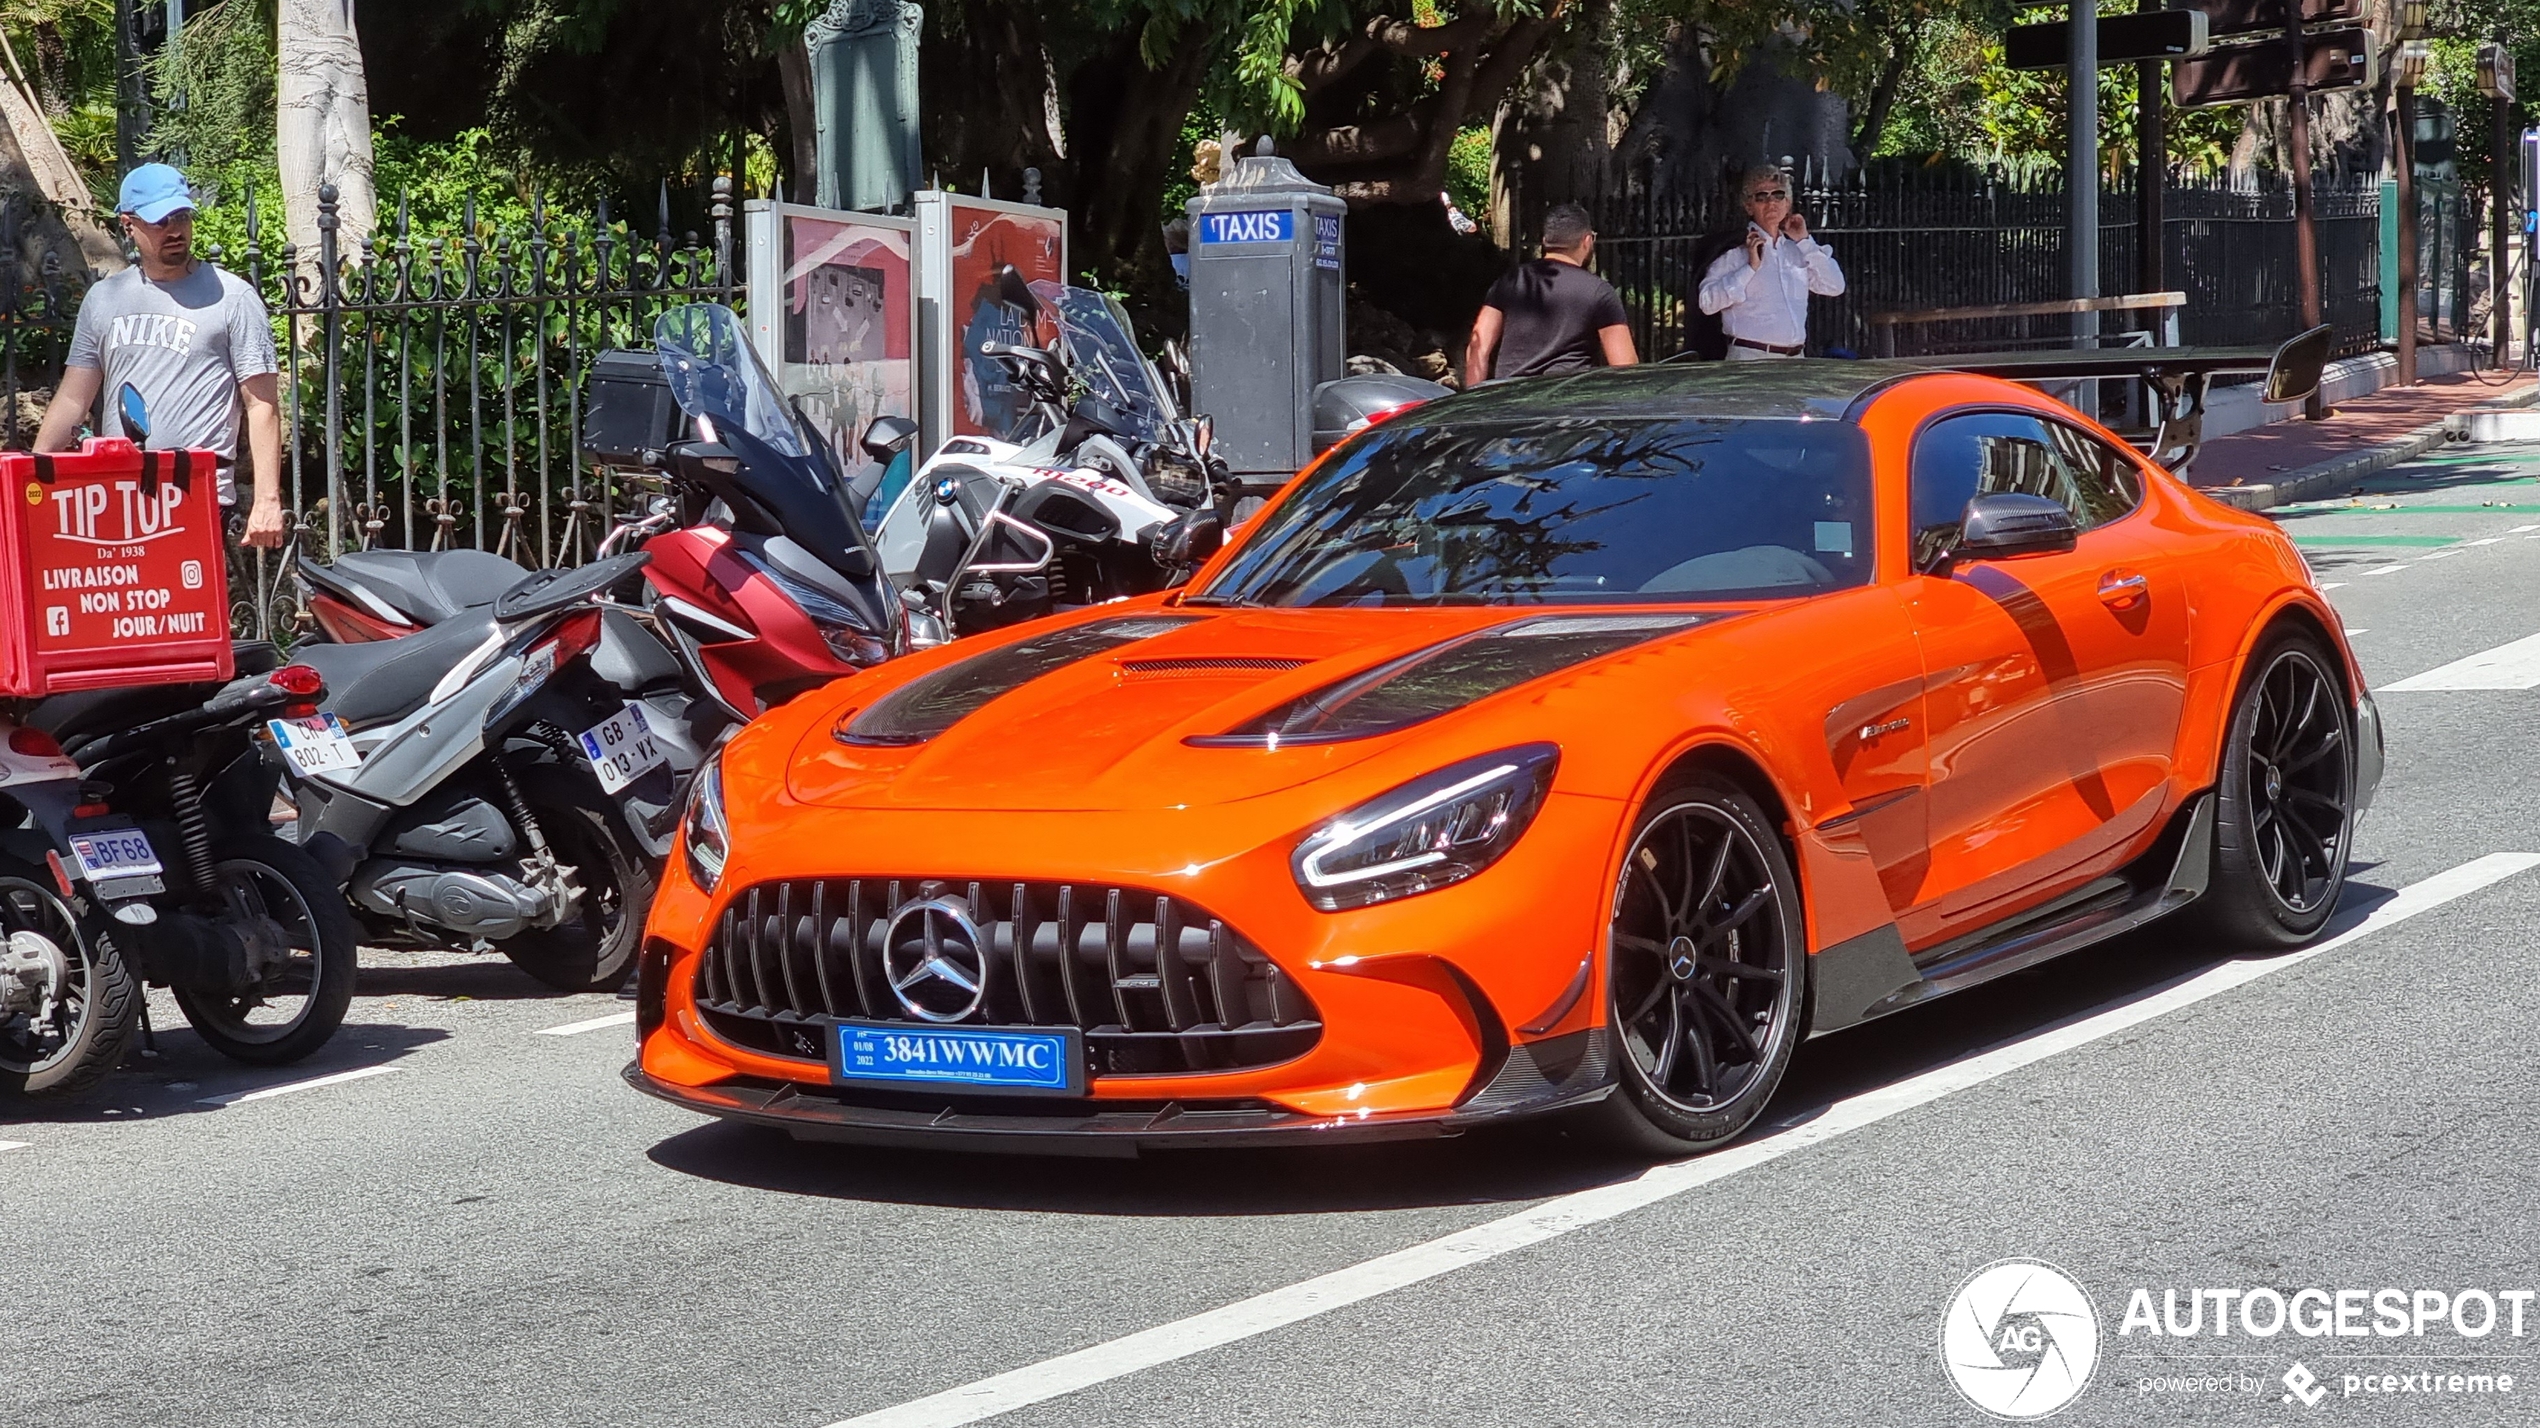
[(482, 1224)]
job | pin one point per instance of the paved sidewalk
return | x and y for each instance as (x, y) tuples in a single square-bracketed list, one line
[(2297, 460)]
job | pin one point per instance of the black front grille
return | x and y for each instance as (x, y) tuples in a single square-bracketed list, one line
[(1157, 985)]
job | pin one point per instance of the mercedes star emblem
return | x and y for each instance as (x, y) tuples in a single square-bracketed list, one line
[(936, 960)]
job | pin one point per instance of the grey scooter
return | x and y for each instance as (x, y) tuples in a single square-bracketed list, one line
[(454, 792)]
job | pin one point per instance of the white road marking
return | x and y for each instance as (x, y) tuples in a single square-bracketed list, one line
[(2491, 540), (2439, 554), (1278, 1308), (576, 1028), (2350, 634), (14, 1144), (2334, 585), (2387, 569), (238, 1098), (2520, 529), (2513, 666)]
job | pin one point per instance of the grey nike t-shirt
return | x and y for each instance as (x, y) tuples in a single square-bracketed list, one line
[(184, 346)]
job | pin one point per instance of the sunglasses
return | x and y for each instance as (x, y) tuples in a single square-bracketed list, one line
[(1768, 194)]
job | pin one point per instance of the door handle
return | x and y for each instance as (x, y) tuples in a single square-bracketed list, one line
[(2119, 589)]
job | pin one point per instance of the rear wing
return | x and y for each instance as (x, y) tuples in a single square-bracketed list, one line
[(2175, 380)]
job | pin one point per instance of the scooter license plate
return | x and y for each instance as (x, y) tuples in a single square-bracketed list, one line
[(109, 854), (622, 748), (315, 745)]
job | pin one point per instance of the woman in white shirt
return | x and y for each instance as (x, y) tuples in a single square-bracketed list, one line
[(1760, 290)]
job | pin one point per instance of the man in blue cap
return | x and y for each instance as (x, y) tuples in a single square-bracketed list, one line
[(194, 341)]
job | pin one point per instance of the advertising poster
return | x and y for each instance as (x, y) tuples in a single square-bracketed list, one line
[(984, 239), (843, 321)]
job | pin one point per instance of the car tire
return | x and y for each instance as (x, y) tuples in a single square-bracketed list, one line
[(58, 1067), (2288, 768), (1699, 1049), (273, 879), (594, 951)]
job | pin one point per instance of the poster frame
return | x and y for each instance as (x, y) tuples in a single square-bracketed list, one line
[(932, 261)]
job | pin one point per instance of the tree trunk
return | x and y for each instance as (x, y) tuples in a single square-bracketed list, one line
[(1549, 141), (1883, 94), (984, 63), (802, 121), (38, 161), (1126, 126), (322, 133), (1366, 140)]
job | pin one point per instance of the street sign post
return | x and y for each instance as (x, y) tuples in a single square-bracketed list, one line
[(2243, 74), (2257, 19), (2123, 39)]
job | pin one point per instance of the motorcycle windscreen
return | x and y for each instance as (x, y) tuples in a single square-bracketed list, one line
[(1104, 354), (714, 373)]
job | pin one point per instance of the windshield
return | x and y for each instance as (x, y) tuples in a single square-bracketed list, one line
[(715, 374), (1108, 363), (1566, 510)]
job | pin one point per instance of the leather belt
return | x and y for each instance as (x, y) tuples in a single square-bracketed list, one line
[(1767, 347)]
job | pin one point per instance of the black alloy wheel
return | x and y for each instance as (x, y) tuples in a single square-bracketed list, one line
[(1706, 969), (2284, 815), (63, 1039), (301, 945)]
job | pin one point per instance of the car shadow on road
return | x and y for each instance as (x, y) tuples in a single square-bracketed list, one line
[(1515, 1164), (443, 976)]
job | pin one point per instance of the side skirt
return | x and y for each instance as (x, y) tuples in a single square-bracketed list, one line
[(2172, 875)]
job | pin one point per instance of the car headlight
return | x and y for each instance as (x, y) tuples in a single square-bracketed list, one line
[(703, 832), (1428, 833), (841, 629)]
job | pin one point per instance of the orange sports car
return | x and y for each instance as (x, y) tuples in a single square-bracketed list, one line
[(1577, 745)]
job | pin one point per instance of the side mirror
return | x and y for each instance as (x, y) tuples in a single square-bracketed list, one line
[(2006, 524), (885, 435), (2294, 373), (1015, 293), (135, 413), (1204, 435), (1189, 539)]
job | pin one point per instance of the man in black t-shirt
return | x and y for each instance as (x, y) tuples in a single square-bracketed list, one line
[(1551, 315)]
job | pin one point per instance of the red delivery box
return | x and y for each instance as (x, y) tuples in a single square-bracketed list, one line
[(118, 570)]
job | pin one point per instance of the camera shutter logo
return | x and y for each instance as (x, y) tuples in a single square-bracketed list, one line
[(2020, 1339)]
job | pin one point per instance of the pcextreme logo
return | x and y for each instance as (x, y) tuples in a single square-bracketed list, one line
[(2019, 1339)]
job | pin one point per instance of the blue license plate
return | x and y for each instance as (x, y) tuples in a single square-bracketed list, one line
[(982, 1058)]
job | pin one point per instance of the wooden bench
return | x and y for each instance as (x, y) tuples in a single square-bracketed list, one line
[(2166, 304)]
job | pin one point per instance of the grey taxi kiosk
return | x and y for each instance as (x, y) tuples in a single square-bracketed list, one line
[(1266, 294)]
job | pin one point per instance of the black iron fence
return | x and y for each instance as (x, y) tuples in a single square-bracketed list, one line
[(431, 385), (1962, 239)]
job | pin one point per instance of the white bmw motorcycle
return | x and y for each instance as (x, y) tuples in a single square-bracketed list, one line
[(1105, 490)]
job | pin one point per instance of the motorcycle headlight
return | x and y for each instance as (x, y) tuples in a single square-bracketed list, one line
[(1427, 834), (841, 629), (703, 832)]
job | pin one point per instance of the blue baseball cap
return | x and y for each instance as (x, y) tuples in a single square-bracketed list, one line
[(152, 192)]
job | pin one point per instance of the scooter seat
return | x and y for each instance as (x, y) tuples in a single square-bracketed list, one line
[(74, 719), (382, 681), (430, 586)]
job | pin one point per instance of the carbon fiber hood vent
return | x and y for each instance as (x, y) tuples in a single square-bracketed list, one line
[(925, 707), (1445, 677)]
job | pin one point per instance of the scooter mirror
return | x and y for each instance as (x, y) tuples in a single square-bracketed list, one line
[(885, 435), (135, 413), (1204, 434), (1190, 539), (1016, 293)]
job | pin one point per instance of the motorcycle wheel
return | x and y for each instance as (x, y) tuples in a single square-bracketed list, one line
[(100, 1004), (272, 891), (593, 950)]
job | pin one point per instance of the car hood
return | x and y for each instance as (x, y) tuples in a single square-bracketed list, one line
[(1162, 709)]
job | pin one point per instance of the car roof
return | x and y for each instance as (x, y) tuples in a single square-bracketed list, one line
[(1802, 388)]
